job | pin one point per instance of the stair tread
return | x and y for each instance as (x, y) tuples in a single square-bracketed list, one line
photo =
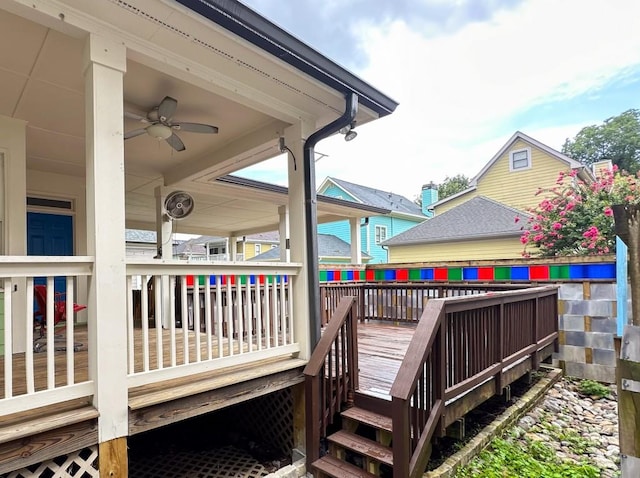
[(367, 417), (363, 446), (340, 469)]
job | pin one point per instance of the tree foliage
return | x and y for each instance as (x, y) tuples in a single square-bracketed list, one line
[(616, 139), (452, 185), (576, 218)]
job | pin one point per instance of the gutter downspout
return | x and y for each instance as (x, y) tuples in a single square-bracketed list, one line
[(310, 202)]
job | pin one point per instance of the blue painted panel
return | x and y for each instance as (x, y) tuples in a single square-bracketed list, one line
[(390, 274), (601, 271), (621, 285), (427, 274), (578, 271), (520, 273), (470, 273)]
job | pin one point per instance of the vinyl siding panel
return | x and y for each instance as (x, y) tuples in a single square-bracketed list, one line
[(455, 202), (504, 248), (517, 188), (336, 192), (340, 229)]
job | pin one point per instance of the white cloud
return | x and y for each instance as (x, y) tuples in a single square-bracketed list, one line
[(459, 93)]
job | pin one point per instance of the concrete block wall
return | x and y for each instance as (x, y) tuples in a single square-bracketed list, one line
[(587, 317)]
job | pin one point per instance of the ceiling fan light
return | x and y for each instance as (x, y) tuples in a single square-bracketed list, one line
[(159, 131)]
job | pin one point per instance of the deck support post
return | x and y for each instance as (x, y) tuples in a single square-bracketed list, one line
[(104, 67), (112, 458), (299, 418)]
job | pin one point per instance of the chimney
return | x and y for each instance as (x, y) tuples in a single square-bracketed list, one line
[(429, 196)]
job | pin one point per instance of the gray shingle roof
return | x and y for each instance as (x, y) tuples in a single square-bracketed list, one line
[(328, 246), (378, 198), (476, 218)]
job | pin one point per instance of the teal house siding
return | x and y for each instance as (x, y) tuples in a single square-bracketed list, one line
[(404, 214)]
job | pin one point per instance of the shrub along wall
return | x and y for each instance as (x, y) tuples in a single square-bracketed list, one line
[(587, 309)]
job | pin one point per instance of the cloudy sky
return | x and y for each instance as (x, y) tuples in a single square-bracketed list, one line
[(467, 75)]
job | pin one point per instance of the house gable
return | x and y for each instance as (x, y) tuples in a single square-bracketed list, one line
[(331, 189), (516, 172)]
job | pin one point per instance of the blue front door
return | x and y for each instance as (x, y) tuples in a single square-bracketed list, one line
[(50, 235)]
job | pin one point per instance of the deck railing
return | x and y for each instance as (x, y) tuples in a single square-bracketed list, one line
[(38, 359), (192, 318), (459, 343), (331, 376), (397, 302)]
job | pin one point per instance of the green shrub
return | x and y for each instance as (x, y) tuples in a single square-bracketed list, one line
[(593, 389)]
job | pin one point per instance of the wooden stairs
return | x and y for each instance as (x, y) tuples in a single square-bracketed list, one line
[(362, 448)]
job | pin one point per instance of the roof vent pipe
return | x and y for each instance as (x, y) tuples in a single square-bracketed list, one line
[(310, 201)]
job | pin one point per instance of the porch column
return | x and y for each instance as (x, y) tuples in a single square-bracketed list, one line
[(13, 214), (295, 136), (356, 248), (165, 252), (232, 248), (104, 66), (285, 254)]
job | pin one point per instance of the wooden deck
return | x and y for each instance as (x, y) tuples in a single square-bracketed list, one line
[(381, 348), (80, 357)]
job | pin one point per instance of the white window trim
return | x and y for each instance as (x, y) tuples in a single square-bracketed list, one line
[(375, 235), (516, 151), (257, 249)]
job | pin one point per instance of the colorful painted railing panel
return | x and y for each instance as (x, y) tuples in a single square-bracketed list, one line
[(191, 318), (532, 272)]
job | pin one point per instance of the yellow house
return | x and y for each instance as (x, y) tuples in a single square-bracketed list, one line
[(484, 221)]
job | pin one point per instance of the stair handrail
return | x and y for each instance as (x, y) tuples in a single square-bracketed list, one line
[(328, 362), (426, 345), (420, 390)]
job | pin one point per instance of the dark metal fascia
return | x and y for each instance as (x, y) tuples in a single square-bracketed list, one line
[(251, 26)]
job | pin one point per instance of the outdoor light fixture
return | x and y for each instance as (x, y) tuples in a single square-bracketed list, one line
[(348, 132), (159, 131)]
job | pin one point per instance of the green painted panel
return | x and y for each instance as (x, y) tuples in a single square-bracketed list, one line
[(344, 275), (502, 273), (323, 276), (559, 272), (414, 274), (380, 274), (455, 273)]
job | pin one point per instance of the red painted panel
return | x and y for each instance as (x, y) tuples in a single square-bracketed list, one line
[(441, 273), (538, 272), (485, 273)]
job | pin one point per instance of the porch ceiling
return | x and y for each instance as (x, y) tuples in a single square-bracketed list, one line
[(216, 77)]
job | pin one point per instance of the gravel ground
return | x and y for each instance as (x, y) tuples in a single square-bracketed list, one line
[(579, 428)]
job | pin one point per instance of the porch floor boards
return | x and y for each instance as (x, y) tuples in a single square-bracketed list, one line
[(382, 347), (81, 358)]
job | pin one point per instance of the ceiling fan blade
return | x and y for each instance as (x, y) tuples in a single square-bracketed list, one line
[(135, 117), (195, 127), (134, 133), (175, 142), (167, 108)]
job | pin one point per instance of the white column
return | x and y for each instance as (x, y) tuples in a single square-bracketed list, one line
[(165, 251), (13, 146), (285, 251), (356, 249), (294, 139), (232, 248), (104, 66)]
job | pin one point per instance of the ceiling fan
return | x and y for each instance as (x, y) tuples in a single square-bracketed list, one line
[(161, 126)]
